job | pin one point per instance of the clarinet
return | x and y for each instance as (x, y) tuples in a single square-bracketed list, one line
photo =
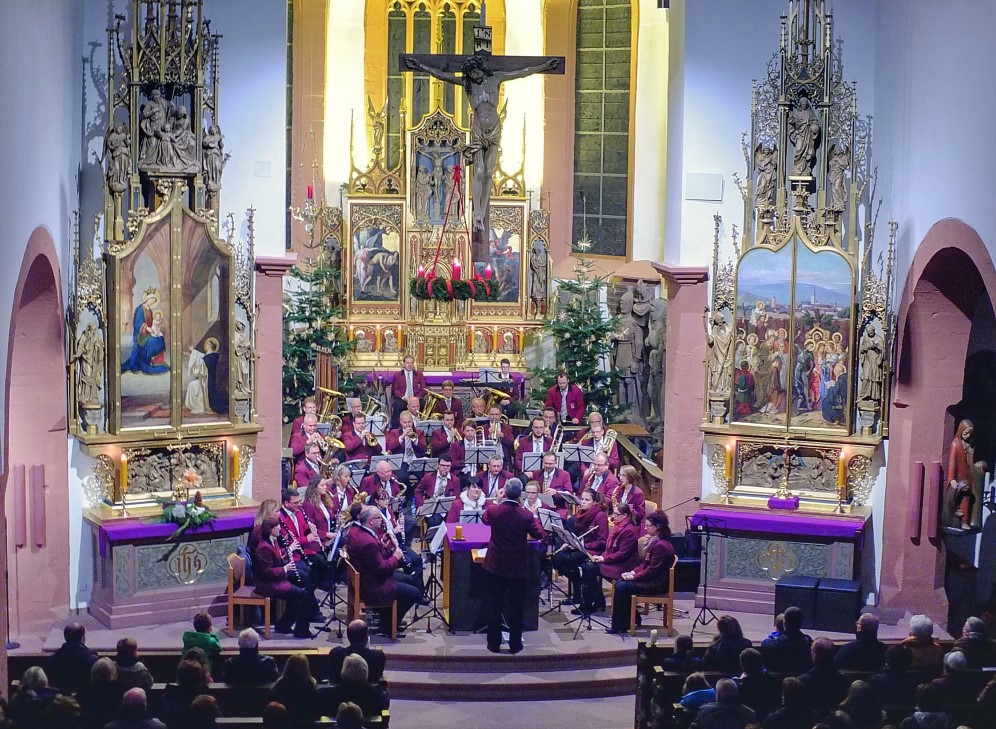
[(292, 575)]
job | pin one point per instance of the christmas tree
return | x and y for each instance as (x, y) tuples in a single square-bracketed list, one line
[(582, 336)]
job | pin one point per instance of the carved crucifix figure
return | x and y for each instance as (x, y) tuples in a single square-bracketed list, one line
[(481, 77)]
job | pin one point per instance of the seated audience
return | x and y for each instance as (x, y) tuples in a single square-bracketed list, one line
[(297, 691), (354, 687), (275, 716), (135, 712), (866, 652), (987, 698), (63, 712), (863, 707), (758, 689), (249, 668), (896, 685), (729, 643), (192, 680), (132, 673), (358, 637), (202, 637), (682, 659), (789, 651), (779, 624), (926, 651), (975, 644), (349, 716), (31, 699), (727, 712), (69, 667), (696, 692), (99, 702), (954, 685), (825, 685), (794, 712), (204, 712), (929, 712)]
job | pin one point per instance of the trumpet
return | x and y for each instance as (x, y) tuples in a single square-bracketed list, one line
[(369, 438)]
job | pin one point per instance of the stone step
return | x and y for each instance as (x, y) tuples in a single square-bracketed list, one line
[(479, 661), (511, 683)]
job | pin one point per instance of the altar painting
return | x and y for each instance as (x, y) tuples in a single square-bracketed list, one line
[(375, 256), (435, 197), (505, 251)]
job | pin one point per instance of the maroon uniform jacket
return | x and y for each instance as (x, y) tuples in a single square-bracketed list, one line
[(303, 472), (356, 448), (593, 517), (613, 452), (398, 384), (454, 406), (323, 525), (506, 439), (427, 487), (605, 488), (636, 500), (371, 484), (485, 481), (621, 553), (453, 515), (296, 427), (527, 445), (511, 528), (344, 503), (347, 424), (575, 401), (652, 572), (560, 481), (377, 587), (295, 526), (268, 569), (298, 440), (458, 454), (439, 445), (393, 441)]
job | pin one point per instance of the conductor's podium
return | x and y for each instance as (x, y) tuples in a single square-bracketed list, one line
[(465, 582)]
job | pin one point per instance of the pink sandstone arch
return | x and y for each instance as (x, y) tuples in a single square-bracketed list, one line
[(35, 500), (950, 271)]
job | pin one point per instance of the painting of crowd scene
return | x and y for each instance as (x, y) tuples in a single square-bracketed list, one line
[(792, 349)]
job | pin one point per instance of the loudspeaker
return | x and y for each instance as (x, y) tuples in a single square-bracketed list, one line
[(797, 591), (838, 605)]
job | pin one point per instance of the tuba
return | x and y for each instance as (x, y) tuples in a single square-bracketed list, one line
[(432, 402), (330, 404)]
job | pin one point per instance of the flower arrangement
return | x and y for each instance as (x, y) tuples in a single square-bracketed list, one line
[(426, 287), (183, 511)]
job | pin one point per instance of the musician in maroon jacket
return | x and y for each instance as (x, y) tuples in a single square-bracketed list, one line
[(406, 437), (303, 541), (630, 491), (466, 472), (360, 444), (300, 439), (376, 564), (471, 499), (308, 407), (591, 523), (601, 479), (451, 403), (552, 478), (508, 553), (500, 432), (271, 567), (310, 465), (341, 490), (650, 577), (407, 382), (440, 483), (566, 399), (494, 479), (621, 555), (532, 442), (594, 435), (381, 479), (319, 509), (444, 437), (355, 407)]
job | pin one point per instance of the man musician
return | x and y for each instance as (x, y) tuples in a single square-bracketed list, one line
[(466, 472), (451, 403), (552, 478), (594, 435), (493, 480), (444, 437), (552, 423), (599, 478), (303, 542), (478, 408), (408, 440), (308, 407), (567, 399), (440, 483), (532, 442), (499, 432), (407, 382), (355, 407), (310, 465), (361, 444), (307, 434), (382, 479)]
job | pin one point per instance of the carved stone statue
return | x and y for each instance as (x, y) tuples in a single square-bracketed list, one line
[(507, 343), (378, 122), (241, 386), (656, 365), (872, 356), (214, 157), (805, 136), (538, 281), (719, 340), (642, 297), (89, 358), (765, 167), (482, 344), (390, 341), (154, 116), (628, 351), (117, 153), (362, 343), (423, 187), (840, 160), (963, 494)]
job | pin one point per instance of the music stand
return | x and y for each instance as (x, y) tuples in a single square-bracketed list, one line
[(579, 453), (489, 376), (532, 462), (705, 525), (357, 472), (433, 587), (396, 460), (471, 516), (533, 413), (479, 455), (550, 518), (377, 425), (570, 498), (584, 619), (332, 597), (431, 426)]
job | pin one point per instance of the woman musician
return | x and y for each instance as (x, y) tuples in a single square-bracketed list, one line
[(267, 507), (394, 538), (273, 567), (630, 491), (471, 499), (650, 577), (342, 493), (592, 526), (621, 555), (319, 509)]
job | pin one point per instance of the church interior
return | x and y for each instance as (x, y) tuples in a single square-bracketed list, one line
[(697, 270)]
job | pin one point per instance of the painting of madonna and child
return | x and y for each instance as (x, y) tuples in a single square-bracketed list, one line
[(791, 361), (147, 337)]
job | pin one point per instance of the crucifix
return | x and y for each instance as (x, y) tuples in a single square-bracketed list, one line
[(481, 77)]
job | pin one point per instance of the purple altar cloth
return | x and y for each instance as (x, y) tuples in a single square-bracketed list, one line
[(810, 525), (476, 536), (129, 531)]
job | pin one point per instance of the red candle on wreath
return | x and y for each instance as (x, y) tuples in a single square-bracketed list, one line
[(456, 269), (487, 272), (311, 192), (421, 272)]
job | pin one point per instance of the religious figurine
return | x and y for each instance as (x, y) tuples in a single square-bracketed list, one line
[(178, 150), (378, 121), (481, 84), (154, 115), (642, 295), (657, 341), (719, 340), (538, 277), (840, 160), (964, 489), (196, 396), (765, 167), (362, 343), (241, 385), (214, 157), (89, 358), (629, 350), (805, 136), (423, 187), (872, 355), (117, 153), (482, 344), (507, 343), (390, 341)]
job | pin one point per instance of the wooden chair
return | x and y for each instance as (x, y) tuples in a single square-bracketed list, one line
[(666, 601), (355, 606), (243, 594)]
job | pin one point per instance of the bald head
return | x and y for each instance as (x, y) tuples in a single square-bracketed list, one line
[(384, 470), (134, 703)]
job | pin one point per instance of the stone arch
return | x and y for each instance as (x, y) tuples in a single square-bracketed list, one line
[(951, 272)]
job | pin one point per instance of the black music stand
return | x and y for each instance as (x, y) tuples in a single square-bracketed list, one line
[(332, 598), (433, 587), (584, 619), (704, 525)]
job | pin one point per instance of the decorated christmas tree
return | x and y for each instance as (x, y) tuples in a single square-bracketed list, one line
[(582, 335)]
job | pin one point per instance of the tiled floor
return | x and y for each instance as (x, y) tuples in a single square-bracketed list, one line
[(578, 714)]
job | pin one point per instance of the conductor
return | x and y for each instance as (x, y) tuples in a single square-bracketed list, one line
[(511, 527)]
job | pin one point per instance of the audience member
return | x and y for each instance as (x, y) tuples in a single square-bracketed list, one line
[(789, 651), (926, 651), (69, 667), (794, 712), (696, 692), (724, 653), (4, 713), (204, 713), (62, 712), (975, 644), (192, 680), (249, 668), (986, 699), (758, 689), (275, 716), (135, 712), (349, 716), (863, 706), (101, 699), (929, 712), (727, 712), (779, 624), (896, 685), (866, 652), (354, 687), (195, 654), (132, 673), (954, 685), (825, 685), (358, 636), (297, 691), (31, 699), (202, 637), (683, 659)]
